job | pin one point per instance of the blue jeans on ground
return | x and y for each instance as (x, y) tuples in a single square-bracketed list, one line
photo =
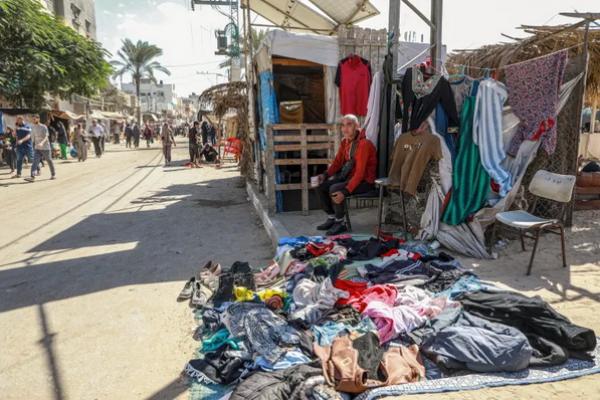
[(40, 155), (22, 152)]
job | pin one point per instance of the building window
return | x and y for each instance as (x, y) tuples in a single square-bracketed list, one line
[(88, 26), (76, 12)]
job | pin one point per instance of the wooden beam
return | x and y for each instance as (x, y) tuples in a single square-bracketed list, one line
[(298, 161), (297, 127), (419, 13), (298, 147), (293, 62), (586, 15), (295, 138), (288, 186)]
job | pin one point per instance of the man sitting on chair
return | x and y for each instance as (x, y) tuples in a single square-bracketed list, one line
[(352, 172)]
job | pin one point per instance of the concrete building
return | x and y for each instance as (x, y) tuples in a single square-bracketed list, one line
[(158, 98), (78, 14)]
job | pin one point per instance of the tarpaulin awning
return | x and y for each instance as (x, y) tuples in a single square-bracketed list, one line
[(113, 115), (295, 15), (68, 115)]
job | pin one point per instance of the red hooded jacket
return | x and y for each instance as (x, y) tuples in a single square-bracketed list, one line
[(365, 161)]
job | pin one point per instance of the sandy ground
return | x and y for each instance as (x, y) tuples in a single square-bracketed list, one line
[(91, 264)]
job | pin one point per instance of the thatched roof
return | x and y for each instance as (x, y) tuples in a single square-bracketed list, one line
[(543, 40)]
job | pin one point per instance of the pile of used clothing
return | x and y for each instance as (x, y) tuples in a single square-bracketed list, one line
[(334, 317)]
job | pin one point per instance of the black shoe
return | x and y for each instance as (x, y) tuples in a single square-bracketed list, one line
[(326, 225), (225, 290), (337, 228)]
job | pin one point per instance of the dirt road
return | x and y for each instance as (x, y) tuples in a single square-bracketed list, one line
[(91, 264)]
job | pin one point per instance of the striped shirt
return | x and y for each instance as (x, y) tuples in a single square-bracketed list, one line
[(487, 131)]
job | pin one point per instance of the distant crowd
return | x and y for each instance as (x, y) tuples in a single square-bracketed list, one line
[(33, 143)]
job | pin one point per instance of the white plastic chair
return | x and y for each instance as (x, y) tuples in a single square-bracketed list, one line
[(546, 185)]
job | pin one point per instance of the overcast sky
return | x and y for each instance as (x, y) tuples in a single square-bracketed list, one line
[(188, 41)]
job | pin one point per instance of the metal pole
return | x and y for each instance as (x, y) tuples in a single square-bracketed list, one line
[(575, 166), (394, 32), (436, 33)]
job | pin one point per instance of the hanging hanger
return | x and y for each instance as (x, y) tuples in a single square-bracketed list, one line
[(486, 73)]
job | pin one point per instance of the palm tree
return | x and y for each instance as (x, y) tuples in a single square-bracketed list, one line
[(138, 59)]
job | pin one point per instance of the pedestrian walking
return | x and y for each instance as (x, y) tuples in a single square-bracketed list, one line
[(41, 144), (209, 134), (9, 149), (97, 133), (168, 140), (61, 137), (147, 134), (128, 135), (116, 132), (23, 143), (136, 135), (193, 136), (81, 142)]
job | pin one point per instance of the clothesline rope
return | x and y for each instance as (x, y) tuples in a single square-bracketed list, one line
[(517, 63)]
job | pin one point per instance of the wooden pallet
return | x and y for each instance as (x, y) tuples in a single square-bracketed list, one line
[(297, 138)]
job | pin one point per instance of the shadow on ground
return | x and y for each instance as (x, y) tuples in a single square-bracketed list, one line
[(170, 233)]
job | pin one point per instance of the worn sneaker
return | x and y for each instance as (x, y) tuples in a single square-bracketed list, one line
[(187, 291), (53, 177), (337, 228), (201, 295), (326, 225), (30, 179)]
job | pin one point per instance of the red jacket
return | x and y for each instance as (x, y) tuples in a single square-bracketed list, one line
[(365, 162), (353, 77)]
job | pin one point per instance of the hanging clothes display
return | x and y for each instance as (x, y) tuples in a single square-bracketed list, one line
[(371, 124), (421, 96), (487, 131), (387, 122), (533, 89), (412, 152), (353, 77), (470, 181), (462, 87)]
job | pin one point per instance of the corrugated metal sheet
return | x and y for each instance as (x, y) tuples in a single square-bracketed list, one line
[(346, 11), (296, 16)]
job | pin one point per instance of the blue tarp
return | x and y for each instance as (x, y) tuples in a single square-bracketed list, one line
[(269, 111)]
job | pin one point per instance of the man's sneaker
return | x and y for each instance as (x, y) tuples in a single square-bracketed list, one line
[(15, 176), (187, 291), (202, 294), (53, 177), (326, 225), (337, 228), (30, 179)]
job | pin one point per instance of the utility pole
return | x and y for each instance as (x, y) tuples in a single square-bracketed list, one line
[(436, 33)]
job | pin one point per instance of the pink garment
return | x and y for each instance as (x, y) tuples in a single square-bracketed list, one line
[(294, 267), (385, 294), (392, 321), (423, 303)]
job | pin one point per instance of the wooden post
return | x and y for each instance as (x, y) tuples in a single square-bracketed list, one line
[(304, 170), (270, 158), (593, 119)]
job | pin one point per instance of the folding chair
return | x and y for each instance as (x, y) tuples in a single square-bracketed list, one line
[(362, 200), (545, 185)]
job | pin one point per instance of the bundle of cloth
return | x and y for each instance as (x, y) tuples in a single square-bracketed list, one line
[(333, 317)]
